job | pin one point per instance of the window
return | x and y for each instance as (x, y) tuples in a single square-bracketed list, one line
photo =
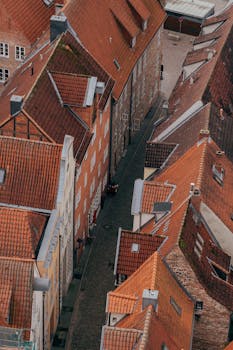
[(105, 153), (106, 128), (99, 169), (84, 206), (85, 180), (101, 117), (77, 225), (164, 347), (94, 135), (175, 306), (19, 53), (93, 160), (199, 243), (78, 198), (100, 144), (4, 74), (4, 50)]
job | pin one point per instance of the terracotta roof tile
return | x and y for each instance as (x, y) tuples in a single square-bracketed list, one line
[(72, 88), (154, 274), (36, 13), (31, 172), (229, 346), (5, 301), (128, 261), (20, 273), (20, 232), (123, 304), (152, 193), (157, 153), (120, 338), (140, 8), (104, 38)]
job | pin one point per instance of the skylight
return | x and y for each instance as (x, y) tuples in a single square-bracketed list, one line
[(135, 248), (2, 176)]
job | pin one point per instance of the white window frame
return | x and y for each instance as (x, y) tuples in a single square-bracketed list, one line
[(93, 161), (4, 50), (106, 128), (78, 197), (85, 179), (4, 74), (105, 154), (20, 55)]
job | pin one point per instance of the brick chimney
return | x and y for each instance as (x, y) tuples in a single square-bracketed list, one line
[(58, 25)]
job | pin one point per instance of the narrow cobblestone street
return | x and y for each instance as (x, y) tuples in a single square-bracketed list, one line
[(88, 315)]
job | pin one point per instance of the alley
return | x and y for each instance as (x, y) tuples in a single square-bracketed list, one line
[(97, 279)]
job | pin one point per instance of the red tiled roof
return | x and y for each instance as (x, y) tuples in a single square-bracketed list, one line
[(30, 18), (31, 172), (229, 346), (140, 8), (152, 193), (72, 87), (157, 153), (186, 170), (20, 232), (105, 38), (57, 121), (5, 301), (153, 274), (20, 275), (120, 338), (128, 261)]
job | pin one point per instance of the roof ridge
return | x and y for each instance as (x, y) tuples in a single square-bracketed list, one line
[(124, 296), (145, 335), (202, 165)]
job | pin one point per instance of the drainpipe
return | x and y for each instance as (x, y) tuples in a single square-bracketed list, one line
[(43, 316), (130, 108)]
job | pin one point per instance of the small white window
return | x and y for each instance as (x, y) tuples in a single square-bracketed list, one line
[(99, 169), (84, 206), (77, 198), (77, 225), (85, 180), (101, 117), (4, 74), (93, 160), (19, 53), (106, 128), (4, 50), (100, 144), (105, 154), (94, 135)]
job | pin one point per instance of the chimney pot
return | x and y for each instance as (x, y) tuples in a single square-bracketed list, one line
[(58, 25), (15, 104)]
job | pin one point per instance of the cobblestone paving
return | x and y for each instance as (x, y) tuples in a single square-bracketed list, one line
[(89, 309)]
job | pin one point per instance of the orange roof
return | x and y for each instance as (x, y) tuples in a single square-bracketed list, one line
[(32, 171), (37, 15), (229, 346), (107, 36), (181, 174), (120, 338), (20, 275), (20, 232), (154, 192), (72, 87), (153, 274), (129, 261)]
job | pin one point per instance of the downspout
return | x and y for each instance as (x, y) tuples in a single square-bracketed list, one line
[(59, 279), (43, 332), (131, 108)]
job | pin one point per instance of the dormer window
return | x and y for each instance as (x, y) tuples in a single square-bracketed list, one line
[(218, 174), (135, 248), (2, 176)]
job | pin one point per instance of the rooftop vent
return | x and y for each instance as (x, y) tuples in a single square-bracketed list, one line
[(218, 174), (58, 25), (220, 153), (196, 192), (2, 176), (117, 64), (135, 248), (48, 2), (150, 297), (15, 104), (204, 133), (160, 209)]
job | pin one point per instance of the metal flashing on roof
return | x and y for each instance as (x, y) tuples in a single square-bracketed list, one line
[(191, 8), (196, 107), (90, 92), (2, 176), (211, 28), (137, 197)]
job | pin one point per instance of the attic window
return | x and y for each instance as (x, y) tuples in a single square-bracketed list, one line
[(135, 248), (2, 176), (199, 305), (117, 64), (48, 2), (219, 272), (218, 174)]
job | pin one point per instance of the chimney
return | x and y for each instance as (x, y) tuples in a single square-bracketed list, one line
[(15, 104), (100, 86), (41, 284), (204, 133), (150, 297), (58, 25)]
